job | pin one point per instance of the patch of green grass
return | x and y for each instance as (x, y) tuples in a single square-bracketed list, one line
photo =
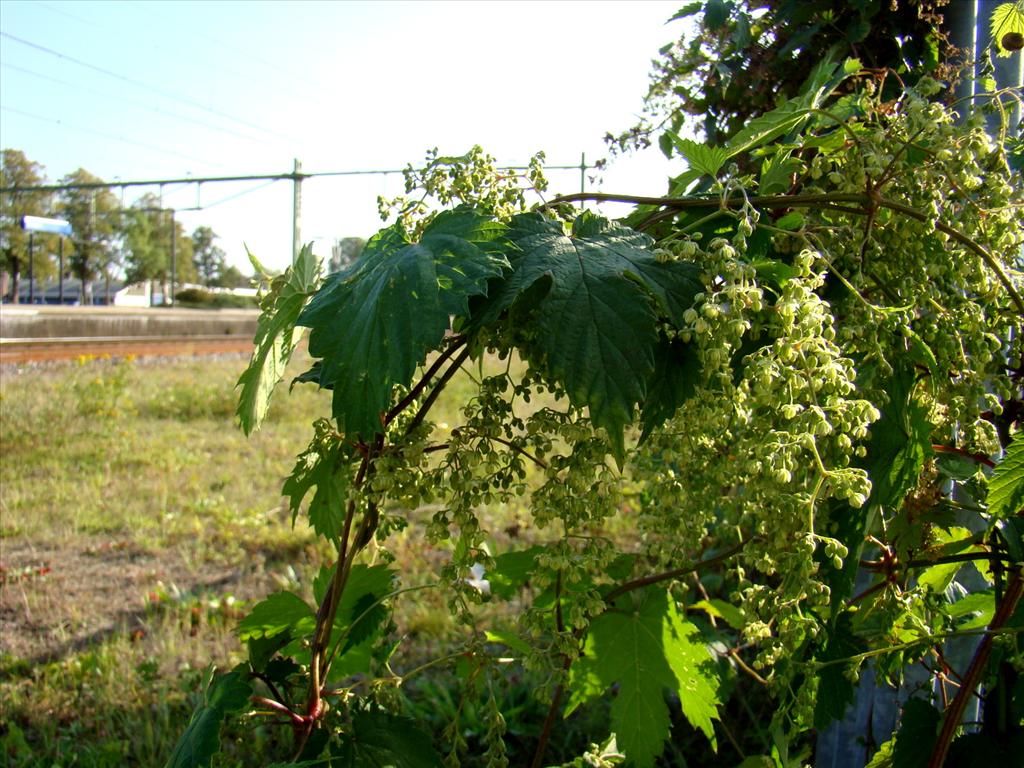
[(143, 460), (157, 461)]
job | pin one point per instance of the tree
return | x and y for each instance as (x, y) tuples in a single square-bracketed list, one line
[(207, 257), (144, 232), (95, 219), (232, 277), (19, 171), (345, 252), (147, 243), (747, 57)]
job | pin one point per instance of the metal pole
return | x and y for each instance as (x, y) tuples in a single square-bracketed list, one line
[(31, 281), (60, 269), (172, 256), (583, 172), (296, 209), (961, 19)]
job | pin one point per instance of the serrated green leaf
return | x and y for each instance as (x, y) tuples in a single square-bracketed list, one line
[(511, 639), (835, 691), (279, 612), (597, 320), (356, 660), (687, 10), (325, 467), (770, 126), (226, 695), (383, 740), (276, 337), (794, 112), (920, 352), (973, 610), (776, 272), (883, 757), (258, 269), (364, 580), (368, 614), (700, 157), (900, 443), (374, 323), (716, 13), (511, 571), (720, 609), (1006, 487), (645, 651), (675, 377), (680, 185), (792, 221), (951, 541), (776, 173), (919, 725), (955, 466), (1007, 18), (262, 649)]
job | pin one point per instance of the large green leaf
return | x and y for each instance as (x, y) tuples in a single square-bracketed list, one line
[(601, 294), (276, 336), (224, 696), (676, 370), (900, 442), (359, 612), (700, 157), (383, 740), (919, 727), (646, 650), (280, 612), (794, 112), (512, 570), (374, 323), (1006, 488), (835, 689), (1007, 19), (323, 466)]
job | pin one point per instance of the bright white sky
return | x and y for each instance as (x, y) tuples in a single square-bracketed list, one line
[(158, 90)]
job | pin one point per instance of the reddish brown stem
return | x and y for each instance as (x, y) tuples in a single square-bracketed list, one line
[(277, 706), (422, 412), (978, 457), (549, 724), (417, 390), (955, 712), (675, 573)]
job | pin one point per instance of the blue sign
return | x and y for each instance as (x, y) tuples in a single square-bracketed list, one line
[(40, 224)]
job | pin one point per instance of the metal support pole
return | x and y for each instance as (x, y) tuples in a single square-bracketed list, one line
[(296, 209), (583, 172), (31, 280), (172, 257), (961, 19), (60, 269)]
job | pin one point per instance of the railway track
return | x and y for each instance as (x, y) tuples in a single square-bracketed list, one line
[(69, 348)]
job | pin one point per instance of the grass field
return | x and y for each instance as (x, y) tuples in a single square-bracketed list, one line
[(137, 523)]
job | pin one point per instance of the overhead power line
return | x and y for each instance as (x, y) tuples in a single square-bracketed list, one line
[(289, 176), (146, 86), (285, 75), (136, 104), (104, 135)]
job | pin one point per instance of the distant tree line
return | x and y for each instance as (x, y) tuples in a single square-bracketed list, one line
[(107, 240)]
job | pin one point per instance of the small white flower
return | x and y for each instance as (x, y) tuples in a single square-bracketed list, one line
[(477, 581)]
